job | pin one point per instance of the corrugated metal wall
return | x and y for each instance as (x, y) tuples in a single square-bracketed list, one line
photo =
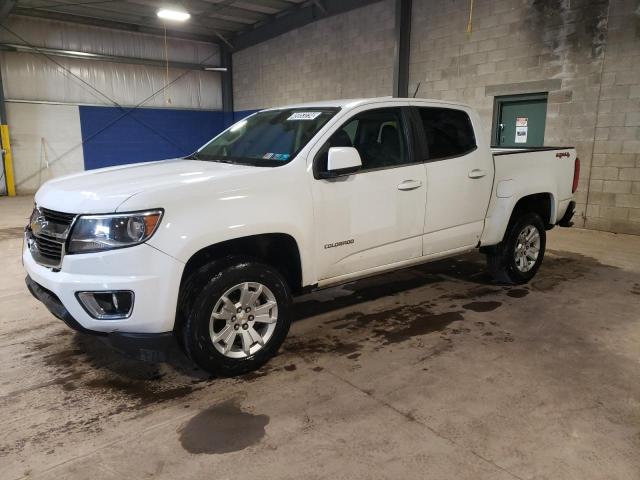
[(35, 77), (44, 94)]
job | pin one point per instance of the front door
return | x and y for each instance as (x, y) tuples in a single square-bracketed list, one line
[(521, 121), (374, 217)]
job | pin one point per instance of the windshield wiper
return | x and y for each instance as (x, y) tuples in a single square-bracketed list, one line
[(221, 160), (207, 158), (232, 161)]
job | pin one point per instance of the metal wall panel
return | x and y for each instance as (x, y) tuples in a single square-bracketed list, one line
[(36, 78), (85, 38), (46, 143)]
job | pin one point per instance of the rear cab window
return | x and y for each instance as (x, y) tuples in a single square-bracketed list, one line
[(448, 132)]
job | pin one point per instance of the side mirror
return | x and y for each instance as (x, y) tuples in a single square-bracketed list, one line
[(342, 161)]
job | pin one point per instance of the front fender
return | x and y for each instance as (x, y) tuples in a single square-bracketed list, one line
[(209, 213)]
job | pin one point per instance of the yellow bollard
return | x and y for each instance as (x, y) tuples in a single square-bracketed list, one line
[(8, 160)]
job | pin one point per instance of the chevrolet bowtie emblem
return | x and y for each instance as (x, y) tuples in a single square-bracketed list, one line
[(39, 223)]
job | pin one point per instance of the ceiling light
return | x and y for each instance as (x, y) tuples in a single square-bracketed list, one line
[(215, 69), (176, 15)]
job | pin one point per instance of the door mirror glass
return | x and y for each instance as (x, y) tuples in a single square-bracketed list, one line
[(342, 161)]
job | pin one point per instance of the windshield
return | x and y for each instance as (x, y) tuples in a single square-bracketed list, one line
[(266, 139)]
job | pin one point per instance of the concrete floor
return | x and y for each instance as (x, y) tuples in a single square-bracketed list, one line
[(430, 372)]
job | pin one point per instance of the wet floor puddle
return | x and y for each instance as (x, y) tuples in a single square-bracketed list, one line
[(223, 428)]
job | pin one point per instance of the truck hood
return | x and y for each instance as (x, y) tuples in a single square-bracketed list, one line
[(104, 190)]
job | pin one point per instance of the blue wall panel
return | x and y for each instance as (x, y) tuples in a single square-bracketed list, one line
[(112, 138), (239, 115)]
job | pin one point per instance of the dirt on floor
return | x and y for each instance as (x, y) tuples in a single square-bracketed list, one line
[(429, 372)]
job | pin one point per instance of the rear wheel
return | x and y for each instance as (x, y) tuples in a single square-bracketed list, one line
[(518, 257), (239, 316)]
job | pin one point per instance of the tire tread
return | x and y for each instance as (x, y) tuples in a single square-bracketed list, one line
[(195, 298), (499, 261)]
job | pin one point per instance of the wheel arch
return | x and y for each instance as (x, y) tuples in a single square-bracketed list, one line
[(279, 250), (541, 203), (504, 211)]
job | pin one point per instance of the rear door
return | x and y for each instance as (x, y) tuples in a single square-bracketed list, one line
[(521, 121), (459, 179), (375, 216)]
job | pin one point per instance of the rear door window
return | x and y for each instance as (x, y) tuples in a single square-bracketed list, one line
[(448, 132)]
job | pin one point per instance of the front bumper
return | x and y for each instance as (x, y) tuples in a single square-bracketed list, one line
[(152, 275), (150, 347)]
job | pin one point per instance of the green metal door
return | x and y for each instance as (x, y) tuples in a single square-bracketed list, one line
[(521, 122)]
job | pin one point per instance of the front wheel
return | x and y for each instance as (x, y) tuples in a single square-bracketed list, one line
[(518, 257), (238, 319)]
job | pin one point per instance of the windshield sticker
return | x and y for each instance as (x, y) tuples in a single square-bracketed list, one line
[(304, 115), (276, 156)]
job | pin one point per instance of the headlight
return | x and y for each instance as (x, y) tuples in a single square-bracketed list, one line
[(92, 233)]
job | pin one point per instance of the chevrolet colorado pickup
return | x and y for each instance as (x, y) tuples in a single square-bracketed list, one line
[(209, 249)]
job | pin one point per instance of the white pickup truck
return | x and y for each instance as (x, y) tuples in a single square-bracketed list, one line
[(209, 249)]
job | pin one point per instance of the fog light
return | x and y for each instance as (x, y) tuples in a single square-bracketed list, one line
[(114, 305)]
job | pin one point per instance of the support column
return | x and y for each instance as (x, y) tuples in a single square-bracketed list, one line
[(226, 61), (402, 48), (7, 159)]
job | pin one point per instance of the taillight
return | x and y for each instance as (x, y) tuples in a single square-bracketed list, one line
[(576, 175)]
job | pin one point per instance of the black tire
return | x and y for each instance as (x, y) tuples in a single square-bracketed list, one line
[(199, 297), (502, 260)]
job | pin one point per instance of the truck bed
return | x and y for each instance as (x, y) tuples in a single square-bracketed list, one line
[(526, 171), (512, 150)]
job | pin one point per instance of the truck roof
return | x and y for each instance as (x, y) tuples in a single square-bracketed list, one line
[(354, 102)]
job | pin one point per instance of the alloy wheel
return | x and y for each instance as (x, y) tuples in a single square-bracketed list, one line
[(527, 248), (243, 320)]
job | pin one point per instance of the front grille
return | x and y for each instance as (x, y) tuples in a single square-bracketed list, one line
[(49, 248), (47, 234), (57, 217)]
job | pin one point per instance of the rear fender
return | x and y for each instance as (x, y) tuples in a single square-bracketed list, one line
[(501, 210)]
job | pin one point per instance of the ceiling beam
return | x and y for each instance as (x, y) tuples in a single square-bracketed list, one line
[(295, 17), (5, 8), (117, 25), (223, 10), (56, 52), (144, 15), (275, 5)]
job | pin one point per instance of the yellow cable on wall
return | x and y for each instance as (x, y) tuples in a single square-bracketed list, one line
[(470, 23)]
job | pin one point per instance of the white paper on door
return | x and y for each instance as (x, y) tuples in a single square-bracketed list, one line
[(522, 129)]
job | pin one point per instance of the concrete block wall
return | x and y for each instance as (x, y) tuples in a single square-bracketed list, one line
[(344, 56), (614, 189), (584, 53)]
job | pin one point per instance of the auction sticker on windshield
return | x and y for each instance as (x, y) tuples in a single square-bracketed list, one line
[(304, 115), (276, 156)]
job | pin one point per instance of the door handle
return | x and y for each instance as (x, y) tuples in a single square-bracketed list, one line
[(410, 185), (477, 173)]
